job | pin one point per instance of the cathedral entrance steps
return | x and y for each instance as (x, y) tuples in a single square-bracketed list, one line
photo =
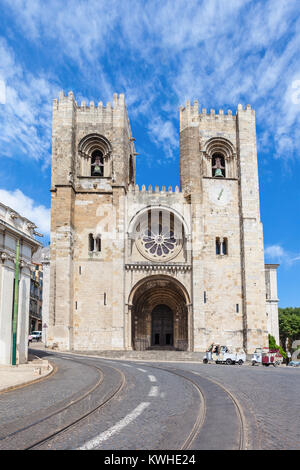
[(148, 355)]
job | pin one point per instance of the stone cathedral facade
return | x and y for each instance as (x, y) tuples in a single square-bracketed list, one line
[(139, 268)]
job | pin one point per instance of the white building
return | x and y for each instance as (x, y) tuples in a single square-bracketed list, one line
[(272, 300), (14, 227)]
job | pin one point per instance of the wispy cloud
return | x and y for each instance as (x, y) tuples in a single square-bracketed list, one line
[(221, 53), (27, 207), (163, 133), (278, 254), (25, 117)]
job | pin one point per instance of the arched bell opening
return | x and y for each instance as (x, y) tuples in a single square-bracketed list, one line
[(159, 314)]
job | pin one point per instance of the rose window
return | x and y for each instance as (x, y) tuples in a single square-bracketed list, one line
[(159, 242)]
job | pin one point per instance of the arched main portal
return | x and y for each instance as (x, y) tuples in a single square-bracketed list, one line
[(159, 314)]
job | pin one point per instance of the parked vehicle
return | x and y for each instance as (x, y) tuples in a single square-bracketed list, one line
[(294, 363), (266, 356), (224, 355), (257, 356), (36, 335)]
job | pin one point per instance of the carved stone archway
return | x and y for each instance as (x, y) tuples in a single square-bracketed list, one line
[(149, 296)]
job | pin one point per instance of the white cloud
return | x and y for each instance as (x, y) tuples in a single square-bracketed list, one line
[(275, 251), (279, 254), (28, 208), (221, 53), (164, 132), (77, 29), (25, 118)]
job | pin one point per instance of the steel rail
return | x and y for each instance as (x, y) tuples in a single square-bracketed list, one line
[(200, 419), (113, 395), (68, 406), (188, 440), (202, 413), (243, 439)]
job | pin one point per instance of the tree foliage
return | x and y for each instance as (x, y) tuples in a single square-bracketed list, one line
[(273, 345), (289, 324)]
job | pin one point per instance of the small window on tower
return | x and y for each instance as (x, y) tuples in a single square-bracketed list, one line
[(218, 166), (218, 246), (98, 243), (224, 246), (97, 165), (131, 170), (221, 246), (91, 242)]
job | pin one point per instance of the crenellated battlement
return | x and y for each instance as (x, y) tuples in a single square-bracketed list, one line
[(190, 115), (66, 108), (118, 102), (73, 122), (155, 190)]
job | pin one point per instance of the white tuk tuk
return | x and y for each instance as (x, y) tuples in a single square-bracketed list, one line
[(224, 355)]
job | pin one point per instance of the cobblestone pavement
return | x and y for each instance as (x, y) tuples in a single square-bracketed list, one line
[(70, 378), (270, 398), (157, 409), (167, 418)]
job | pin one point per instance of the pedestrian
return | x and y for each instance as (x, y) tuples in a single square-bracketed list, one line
[(288, 357)]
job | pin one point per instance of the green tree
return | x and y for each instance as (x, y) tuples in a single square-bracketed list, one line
[(273, 345), (289, 325)]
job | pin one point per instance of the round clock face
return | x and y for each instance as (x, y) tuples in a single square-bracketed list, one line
[(220, 194)]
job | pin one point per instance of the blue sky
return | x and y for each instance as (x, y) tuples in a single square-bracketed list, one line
[(159, 54)]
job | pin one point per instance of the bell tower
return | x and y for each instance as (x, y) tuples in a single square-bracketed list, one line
[(219, 178), (93, 164)]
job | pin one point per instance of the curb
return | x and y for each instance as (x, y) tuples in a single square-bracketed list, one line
[(30, 382)]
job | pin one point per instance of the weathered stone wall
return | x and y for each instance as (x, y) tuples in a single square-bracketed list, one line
[(87, 298), (95, 293), (232, 309)]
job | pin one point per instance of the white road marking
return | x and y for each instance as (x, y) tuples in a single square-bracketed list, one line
[(126, 365), (153, 392), (142, 370), (116, 428), (152, 378)]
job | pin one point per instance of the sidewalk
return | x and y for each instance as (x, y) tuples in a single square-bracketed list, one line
[(12, 377)]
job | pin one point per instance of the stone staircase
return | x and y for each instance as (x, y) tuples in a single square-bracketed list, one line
[(148, 355)]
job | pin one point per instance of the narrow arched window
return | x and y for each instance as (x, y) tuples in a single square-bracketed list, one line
[(131, 170), (98, 243), (97, 165), (218, 166), (218, 246), (221, 246), (224, 246)]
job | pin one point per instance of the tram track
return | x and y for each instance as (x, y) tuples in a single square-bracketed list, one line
[(11, 440), (243, 440), (202, 412), (200, 418), (192, 441)]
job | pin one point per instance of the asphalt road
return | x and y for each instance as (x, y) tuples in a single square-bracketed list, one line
[(130, 405)]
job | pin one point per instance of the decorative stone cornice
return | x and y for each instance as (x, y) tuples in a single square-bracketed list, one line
[(13, 215), (155, 267), (7, 256)]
